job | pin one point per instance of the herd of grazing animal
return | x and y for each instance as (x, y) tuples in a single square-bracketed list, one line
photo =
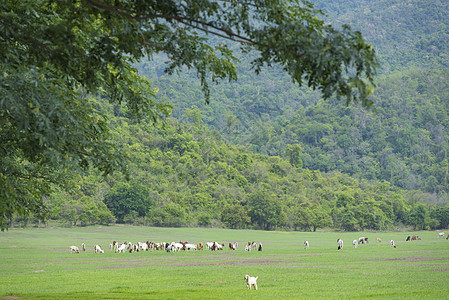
[(168, 247), (215, 246), (253, 246), (364, 240), (413, 238)]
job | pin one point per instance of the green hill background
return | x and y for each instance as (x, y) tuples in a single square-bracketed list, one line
[(268, 154)]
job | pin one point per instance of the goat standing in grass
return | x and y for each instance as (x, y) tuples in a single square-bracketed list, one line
[(251, 281), (121, 248), (392, 244)]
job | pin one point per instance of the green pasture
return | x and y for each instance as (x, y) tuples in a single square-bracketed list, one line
[(36, 263)]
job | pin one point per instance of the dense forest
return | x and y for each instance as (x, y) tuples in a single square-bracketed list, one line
[(267, 154), (184, 174)]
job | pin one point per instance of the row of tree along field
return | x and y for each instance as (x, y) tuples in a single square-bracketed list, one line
[(183, 174)]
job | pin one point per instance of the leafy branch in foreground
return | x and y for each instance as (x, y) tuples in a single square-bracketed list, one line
[(57, 55)]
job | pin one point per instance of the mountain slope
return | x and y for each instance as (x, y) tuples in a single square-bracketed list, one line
[(405, 141)]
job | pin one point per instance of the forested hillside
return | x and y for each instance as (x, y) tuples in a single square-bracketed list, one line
[(183, 174), (268, 154), (405, 34), (403, 139)]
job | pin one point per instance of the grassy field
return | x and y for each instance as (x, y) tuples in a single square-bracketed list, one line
[(36, 263)]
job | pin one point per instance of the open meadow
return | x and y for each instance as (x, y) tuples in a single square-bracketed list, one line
[(36, 263)]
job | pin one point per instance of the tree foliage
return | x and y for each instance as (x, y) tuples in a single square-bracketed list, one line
[(197, 180), (194, 178), (56, 55), (128, 198), (235, 216)]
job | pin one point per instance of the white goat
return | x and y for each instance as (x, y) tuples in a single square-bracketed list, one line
[(161, 246), (176, 246), (97, 249), (251, 281), (441, 234), (209, 245), (306, 245), (74, 249), (355, 243), (121, 248), (189, 247), (114, 246), (392, 244), (254, 244), (144, 246), (363, 240), (340, 244)]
